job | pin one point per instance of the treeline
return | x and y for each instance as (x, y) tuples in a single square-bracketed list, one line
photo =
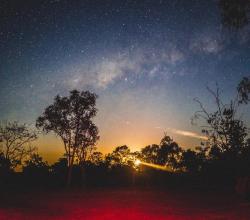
[(190, 167), (222, 157)]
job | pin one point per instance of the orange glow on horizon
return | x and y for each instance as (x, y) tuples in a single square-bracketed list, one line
[(51, 147)]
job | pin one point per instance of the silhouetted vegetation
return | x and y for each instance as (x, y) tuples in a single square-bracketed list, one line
[(70, 118), (226, 132), (16, 143), (234, 13), (221, 159)]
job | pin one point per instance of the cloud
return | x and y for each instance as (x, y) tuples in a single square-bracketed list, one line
[(159, 127), (183, 133), (189, 134)]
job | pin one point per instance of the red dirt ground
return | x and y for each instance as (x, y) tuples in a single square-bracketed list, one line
[(129, 204)]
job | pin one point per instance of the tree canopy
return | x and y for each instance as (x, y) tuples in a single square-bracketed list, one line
[(70, 118), (16, 142)]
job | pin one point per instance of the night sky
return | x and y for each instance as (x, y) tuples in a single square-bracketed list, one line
[(146, 60)]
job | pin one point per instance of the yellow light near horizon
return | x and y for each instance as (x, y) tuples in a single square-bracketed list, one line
[(137, 162)]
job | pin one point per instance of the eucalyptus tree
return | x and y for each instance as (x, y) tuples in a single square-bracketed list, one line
[(16, 142), (226, 131), (70, 118), (234, 13)]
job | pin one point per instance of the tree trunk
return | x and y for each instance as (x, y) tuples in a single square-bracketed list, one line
[(69, 174), (83, 176)]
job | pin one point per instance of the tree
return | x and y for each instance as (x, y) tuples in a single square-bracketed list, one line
[(119, 157), (191, 161), (36, 169), (169, 152), (35, 162), (96, 158), (5, 165), (15, 142), (166, 154), (59, 170), (225, 130), (149, 153), (244, 90), (70, 118), (234, 13), (86, 148)]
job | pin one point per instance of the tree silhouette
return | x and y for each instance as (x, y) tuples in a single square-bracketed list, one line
[(119, 157), (149, 153), (191, 161), (244, 90), (234, 13), (225, 130), (70, 118), (96, 158), (5, 165), (166, 154), (36, 170), (15, 142), (169, 152), (59, 169), (35, 163)]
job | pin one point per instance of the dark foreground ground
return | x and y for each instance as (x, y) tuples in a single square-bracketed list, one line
[(123, 204)]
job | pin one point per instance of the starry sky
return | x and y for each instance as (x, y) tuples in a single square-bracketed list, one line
[(146, 60)]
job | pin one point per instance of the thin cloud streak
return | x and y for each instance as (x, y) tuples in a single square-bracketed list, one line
[(184, 133), (189, 134)]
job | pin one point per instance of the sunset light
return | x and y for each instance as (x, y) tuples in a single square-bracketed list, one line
[(137, 162)]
